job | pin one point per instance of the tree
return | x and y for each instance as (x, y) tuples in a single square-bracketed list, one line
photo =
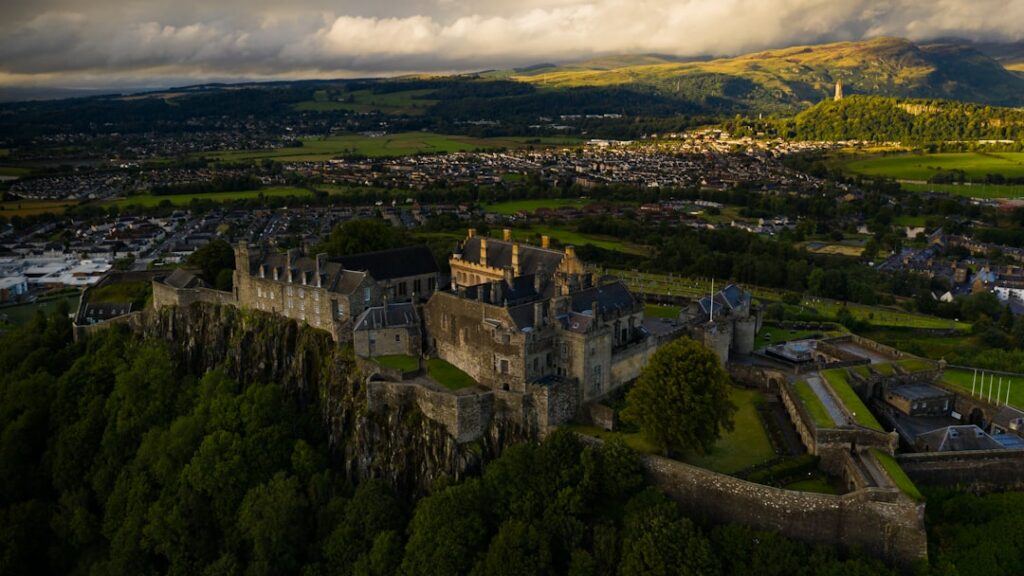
[(357, 236), (681, 400), (212, 259)]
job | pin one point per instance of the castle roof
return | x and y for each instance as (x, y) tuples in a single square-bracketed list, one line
[(389, 315), (729, 298), (499, 255), (395, 263), (611, 297), (956, 438), (181, 278), (335, 277)]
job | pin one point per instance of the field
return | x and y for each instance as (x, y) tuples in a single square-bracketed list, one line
[(149, 201), (747, 445), (814, 406), (407, 102), (447, 375), (401, 362), (659, 311), (986, 191), (400, 144), (14, 171), (883, 316), (33, 207), (837, 380), (962, 379), (924, 166), (22, 313), (510, 208), (566, 237), (835, 249)]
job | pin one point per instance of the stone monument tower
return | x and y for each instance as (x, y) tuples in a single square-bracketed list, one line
[(839, 90)]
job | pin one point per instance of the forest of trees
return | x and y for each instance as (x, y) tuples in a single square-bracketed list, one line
[(113, 460)]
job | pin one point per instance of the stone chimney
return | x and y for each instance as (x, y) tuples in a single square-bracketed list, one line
[(291, 256), (515, 259), (321, 269), (506, 234), (483, 251), (471, 233), (538, 315), (570, 251), (496, 293), (509, 274), (545, 241)]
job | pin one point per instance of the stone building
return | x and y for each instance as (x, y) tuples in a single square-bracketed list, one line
[(314, 290), (726, 322), (401, 273), (388, 329), (521, 316)]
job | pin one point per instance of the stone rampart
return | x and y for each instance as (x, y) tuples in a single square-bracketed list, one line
[(164, 295), (976, 470), (627, 363), (882, 522), (466, 414)]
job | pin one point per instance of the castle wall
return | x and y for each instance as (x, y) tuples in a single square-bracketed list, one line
[(387, 341), (627, 363), (975, 470), (466, 415), (882, 522)]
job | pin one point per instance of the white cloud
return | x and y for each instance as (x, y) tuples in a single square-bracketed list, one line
[(264, 37)]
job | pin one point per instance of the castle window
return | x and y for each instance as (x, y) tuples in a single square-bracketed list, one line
[(290, 291), (430, 284), (367, 293), (398, 337), (504, 366), (417, 286), (401, 289)]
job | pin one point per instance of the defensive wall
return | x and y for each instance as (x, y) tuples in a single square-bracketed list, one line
[(164, 295), (627, 363), (466, 414), (975, 470), (881, 521)]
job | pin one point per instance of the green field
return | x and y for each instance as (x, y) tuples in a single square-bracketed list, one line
[(400, 144), (883, 316), (814, 406), (898, 476), (447, 375), (818, 483), (22, 313), (962, 379), (510, 208), (33, 207), (774, 334), (14, 171), (402, 362), (837, 380), (407, 102), (567, 237), (747, 445), (149, 201), (924, 166), (987, 191)]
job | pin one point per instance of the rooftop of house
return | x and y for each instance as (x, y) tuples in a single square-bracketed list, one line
[(389, 315), (729, 298), (395, 263), (956, 438), (914, 392), (181, 278)]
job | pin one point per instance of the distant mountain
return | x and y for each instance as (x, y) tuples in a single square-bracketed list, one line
[(791, 79), (1009, 54)]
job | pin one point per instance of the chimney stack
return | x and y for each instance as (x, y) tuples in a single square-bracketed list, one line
[(483, 251), (515, 259), (472, 232), (595, 309), (321, 269), (496, 295), (570, 251), (506, 234), (538, 315), (545, 241)]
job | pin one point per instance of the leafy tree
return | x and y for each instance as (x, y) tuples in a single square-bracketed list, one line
[(681, 399), (448, 532), (658, 541), (356, 236), (518, 549), (271, 519), (215, 261)]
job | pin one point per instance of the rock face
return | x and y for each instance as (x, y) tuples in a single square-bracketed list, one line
[(398, 444)]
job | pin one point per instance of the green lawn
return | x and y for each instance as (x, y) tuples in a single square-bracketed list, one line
[(924, 166), (934, 346), (566, 237), (912, 221), (838, 380), (399, 144), (746, 446), (660, 311), (883, 368), (898, 476), (818, 483), (632, 439), (962, 379), (33, 207), (510, 208), (22, 313), (119, 292), (402, 362), (149, 201), (883, 316), (988, 191), (447, 375), (814, 406)]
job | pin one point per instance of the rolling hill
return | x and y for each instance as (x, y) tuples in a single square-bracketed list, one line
[(786, 80)]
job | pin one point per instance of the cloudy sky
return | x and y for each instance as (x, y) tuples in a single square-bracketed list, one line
[(122, 42)]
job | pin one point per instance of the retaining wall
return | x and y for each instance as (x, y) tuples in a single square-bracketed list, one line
[(977, 470), (466, 415)]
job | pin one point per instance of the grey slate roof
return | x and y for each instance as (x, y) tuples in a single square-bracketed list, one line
[(395, 263), (181, 278), (956, 438), (914, 392), (728, 298), (499, 255), (611, 297), (389, 315)]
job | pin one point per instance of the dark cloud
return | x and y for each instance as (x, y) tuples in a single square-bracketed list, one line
[(73, 42)]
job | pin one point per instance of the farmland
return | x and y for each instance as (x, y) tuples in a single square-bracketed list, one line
[(149, 201), (510, 208), (987, 191), (405, 102), (400, 144), (924, 166), (34, 207)]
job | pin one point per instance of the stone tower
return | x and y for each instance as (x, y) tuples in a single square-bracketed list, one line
[(839, 90)]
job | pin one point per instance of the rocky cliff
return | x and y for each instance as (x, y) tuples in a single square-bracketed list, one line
[(397, 444)]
